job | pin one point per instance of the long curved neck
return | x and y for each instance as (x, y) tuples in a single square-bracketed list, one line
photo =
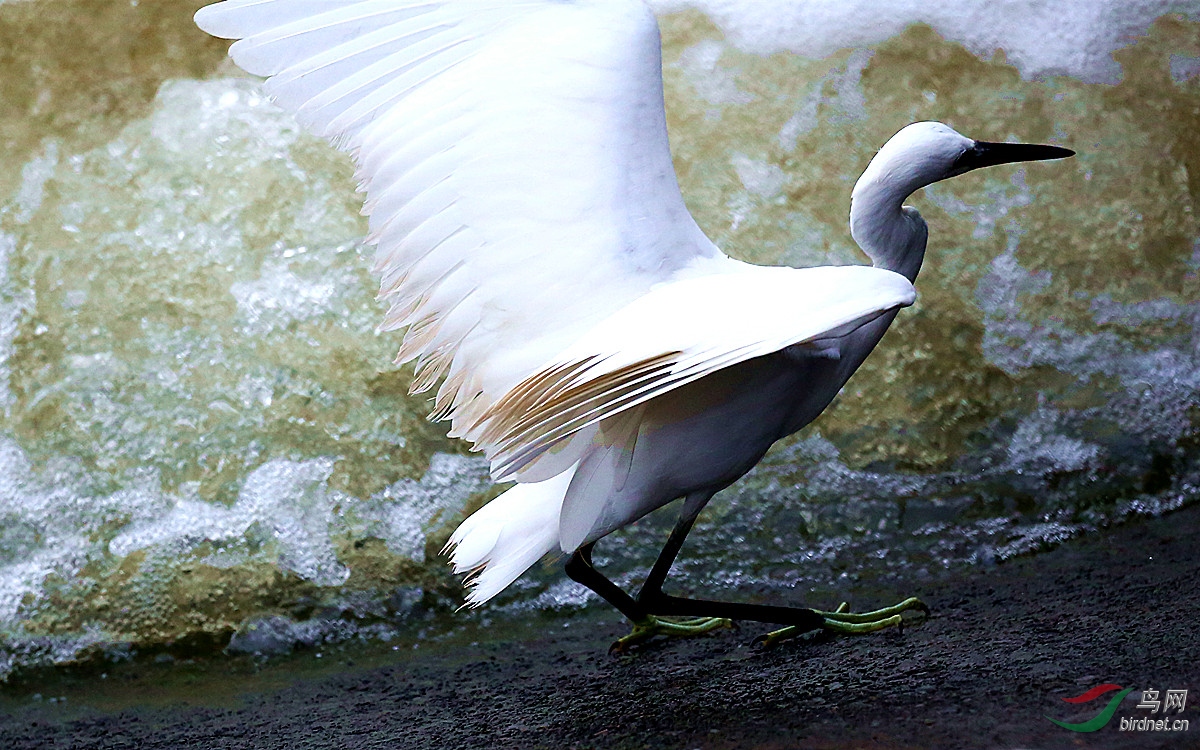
[(891, 234)]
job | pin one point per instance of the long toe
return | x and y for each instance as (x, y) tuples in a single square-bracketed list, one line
[(843, 622), (886, 615), (669, 627)]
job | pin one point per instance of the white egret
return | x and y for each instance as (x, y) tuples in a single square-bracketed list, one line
[(533, 241)]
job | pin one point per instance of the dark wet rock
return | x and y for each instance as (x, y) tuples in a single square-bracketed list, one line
[(265, 636)]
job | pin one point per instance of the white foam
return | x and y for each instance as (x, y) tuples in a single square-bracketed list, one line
[(1184, 67), (279, 297), (762, 182), (845, 103), (1041, 39), (402, 515), (1159, 387), (289, 500), (10, 315), (56, 520), (233, 113), (998, 203), (759, 178), (33, 183), (1038, 446), (712, 83)]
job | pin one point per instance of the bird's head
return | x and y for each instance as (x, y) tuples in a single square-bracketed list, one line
[(921, 154), (925, 152)]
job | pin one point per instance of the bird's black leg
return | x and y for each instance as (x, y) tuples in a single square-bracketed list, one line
[(656, 613), (799, 620), (692, 505), (645, 626), (580, 570), (655, 602)]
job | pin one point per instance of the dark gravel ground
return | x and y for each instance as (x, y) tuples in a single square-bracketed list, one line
[(1004, 646)]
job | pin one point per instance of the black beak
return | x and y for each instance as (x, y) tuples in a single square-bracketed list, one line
[(986, 154)]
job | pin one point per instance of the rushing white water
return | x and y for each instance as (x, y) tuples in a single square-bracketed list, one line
[(1041, 39), (202, 433)]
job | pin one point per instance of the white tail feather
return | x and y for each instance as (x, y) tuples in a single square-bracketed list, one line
[(501, 540)]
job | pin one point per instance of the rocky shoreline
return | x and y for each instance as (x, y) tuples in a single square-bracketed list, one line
[(1005, 645)]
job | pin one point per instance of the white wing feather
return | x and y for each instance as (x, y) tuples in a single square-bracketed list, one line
[(675, 335), (515, 159), (531, 234)]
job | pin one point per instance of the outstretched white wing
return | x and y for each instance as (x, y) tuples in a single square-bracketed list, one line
[(515, 159), (674, 335)]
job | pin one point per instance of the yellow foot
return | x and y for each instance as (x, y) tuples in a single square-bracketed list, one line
[(847, 623), (671, 627)]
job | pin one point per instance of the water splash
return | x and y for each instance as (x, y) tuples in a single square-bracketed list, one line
[(839, 93), (1076, 38), (405, 512)]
